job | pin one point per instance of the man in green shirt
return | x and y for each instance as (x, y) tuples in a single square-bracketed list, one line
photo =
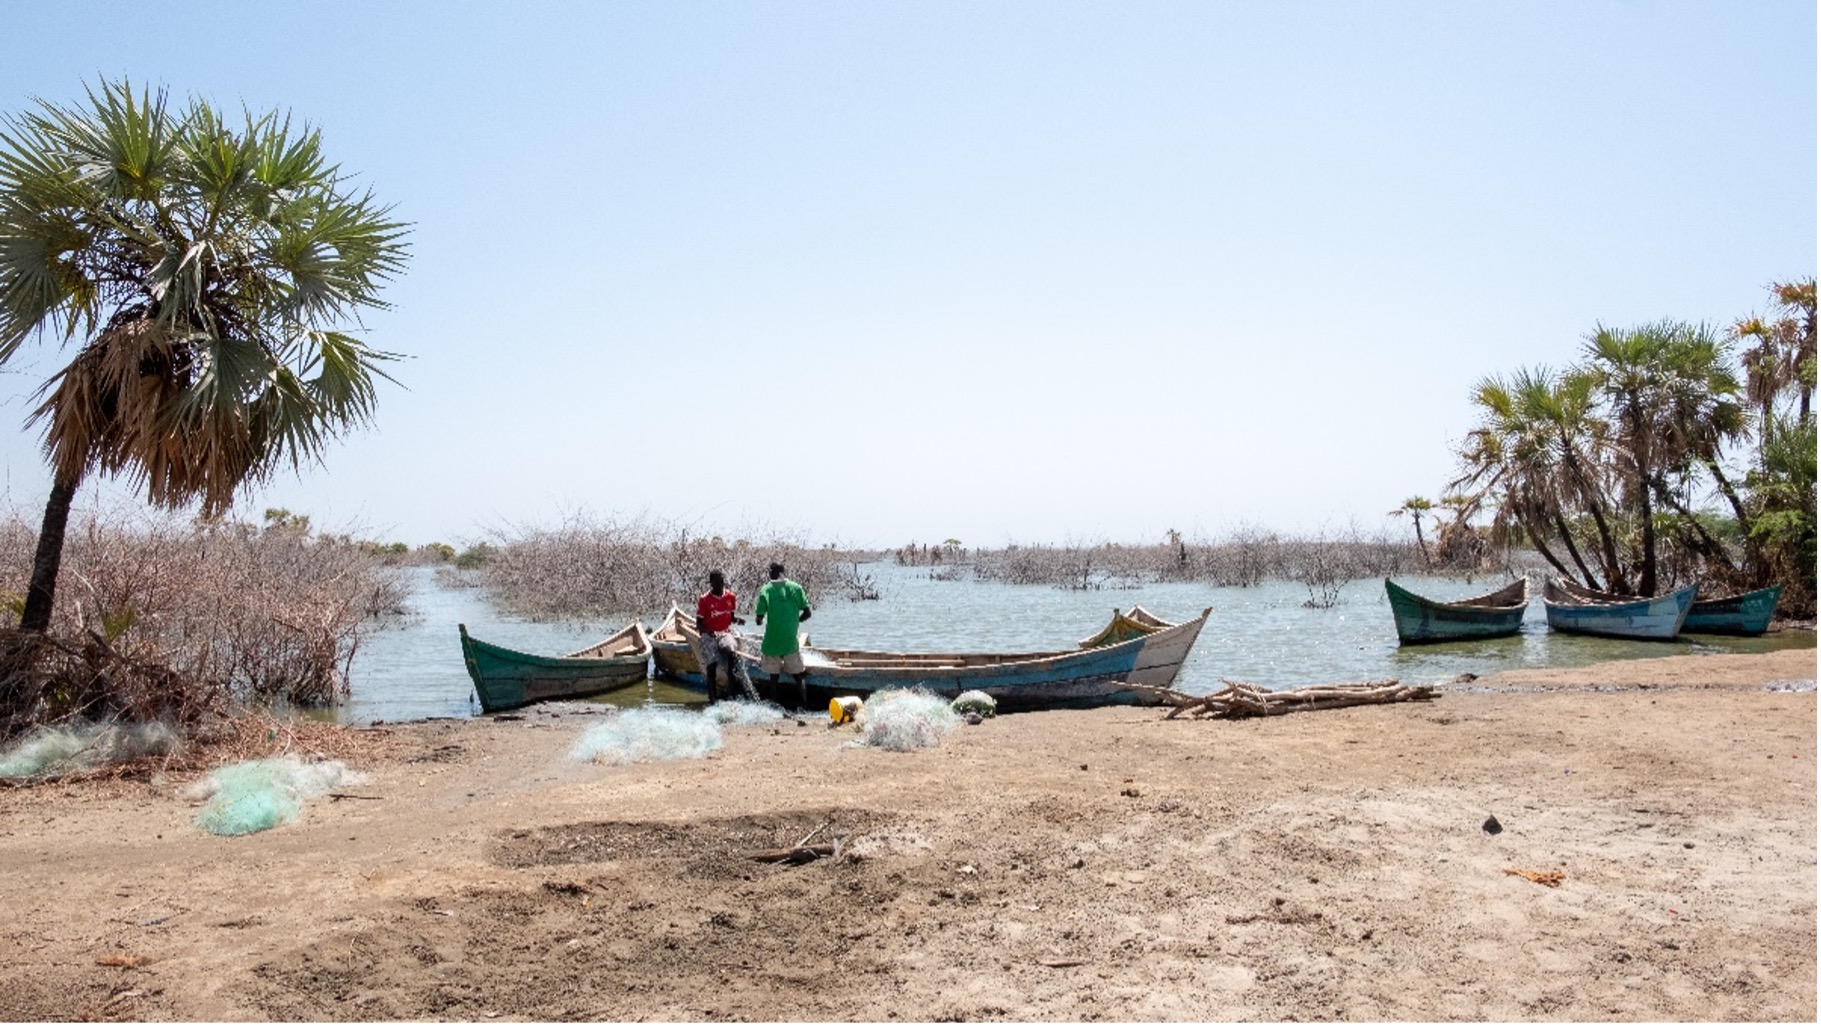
[(783, 600)]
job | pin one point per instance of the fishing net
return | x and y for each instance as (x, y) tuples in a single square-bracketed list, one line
[(58, 751), (743, 714), (247, 797), (974, 702), (649, 735), (901, 720)]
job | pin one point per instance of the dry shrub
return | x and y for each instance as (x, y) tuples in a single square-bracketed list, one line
[(599, 569), (158, 618)]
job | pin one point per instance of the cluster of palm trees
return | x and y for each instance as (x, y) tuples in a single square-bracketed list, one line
[(206, 270), (1669, 451)]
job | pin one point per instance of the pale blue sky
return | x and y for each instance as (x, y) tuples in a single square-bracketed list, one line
[(992, 271)]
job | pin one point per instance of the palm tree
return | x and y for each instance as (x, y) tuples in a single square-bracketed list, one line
[(1417, 507), (1783, 355), (205, 272), (1535, 456)]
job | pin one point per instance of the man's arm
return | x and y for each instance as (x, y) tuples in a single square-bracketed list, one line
[(758, 609)]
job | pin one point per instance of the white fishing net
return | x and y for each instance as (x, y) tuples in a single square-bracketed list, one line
[(649, 735), (903, 720), (58, 751), (739, 713)]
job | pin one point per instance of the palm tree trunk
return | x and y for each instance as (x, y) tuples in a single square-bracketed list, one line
[(42, 594), (1574, 553)]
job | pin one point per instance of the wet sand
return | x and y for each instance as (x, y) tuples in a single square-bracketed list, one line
[(1654, 859)]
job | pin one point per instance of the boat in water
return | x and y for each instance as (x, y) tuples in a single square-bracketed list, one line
[(1136, 648), (1569, 608), (505, 678), (1748, 613), (1421, 620)]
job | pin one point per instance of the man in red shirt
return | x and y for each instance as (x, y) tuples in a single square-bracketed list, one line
[(714, 620)]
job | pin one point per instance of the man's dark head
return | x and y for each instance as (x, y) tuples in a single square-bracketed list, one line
[(717, 580), (777, 571)]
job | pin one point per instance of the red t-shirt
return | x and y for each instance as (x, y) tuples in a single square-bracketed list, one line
[(716, 611)]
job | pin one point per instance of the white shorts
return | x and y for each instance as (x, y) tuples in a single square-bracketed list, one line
[(792, 663)]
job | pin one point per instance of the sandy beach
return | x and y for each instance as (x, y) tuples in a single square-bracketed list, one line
[(1653, 859)]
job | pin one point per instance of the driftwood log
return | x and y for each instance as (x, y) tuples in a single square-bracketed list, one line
[(1239, 699)]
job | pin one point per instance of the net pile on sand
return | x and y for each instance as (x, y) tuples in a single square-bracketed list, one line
[(247, 797), (59, 751), (974, 702), (737, 713), (902, 720), (649, 735)]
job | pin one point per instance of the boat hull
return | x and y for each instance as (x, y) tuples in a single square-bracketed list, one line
[(1080, 678), (1421, 620), (505, 678), (1650, 619), (1749, 613)]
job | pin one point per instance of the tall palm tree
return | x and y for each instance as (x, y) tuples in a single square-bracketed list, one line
[(1418, 507), (205, 272), (1782, 355)]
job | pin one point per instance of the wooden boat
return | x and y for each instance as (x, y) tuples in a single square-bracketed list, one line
[(1658, 618), (673, 648), (1747, 613), (1495, 614), (506, 679), (1137, 648)]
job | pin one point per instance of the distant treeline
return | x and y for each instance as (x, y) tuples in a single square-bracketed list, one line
[(1244, 558), (594, 568), (610, 569)]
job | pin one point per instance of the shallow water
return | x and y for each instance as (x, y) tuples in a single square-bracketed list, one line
[(1266, 635)]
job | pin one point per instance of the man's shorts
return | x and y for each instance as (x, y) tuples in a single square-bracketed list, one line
[(792, 663), (712, 648)]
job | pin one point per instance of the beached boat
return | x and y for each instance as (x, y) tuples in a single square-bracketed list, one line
[(1748, 613), (1137, 648), (1658, 618), (1492, 615), (506, 679), (673, 648)]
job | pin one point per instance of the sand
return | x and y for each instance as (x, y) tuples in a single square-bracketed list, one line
[(1654, 860)]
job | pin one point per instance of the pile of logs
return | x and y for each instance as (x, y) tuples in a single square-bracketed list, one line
[(1239, 699)]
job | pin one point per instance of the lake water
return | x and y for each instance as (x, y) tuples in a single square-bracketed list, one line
[(1265, 635)]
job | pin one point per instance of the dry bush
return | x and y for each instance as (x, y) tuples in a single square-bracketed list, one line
[(158, 618), (600, 569)]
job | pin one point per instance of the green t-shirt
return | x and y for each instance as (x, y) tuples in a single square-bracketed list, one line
[(780, 603)]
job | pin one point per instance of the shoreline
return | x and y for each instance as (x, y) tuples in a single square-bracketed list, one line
[(1099, 864)]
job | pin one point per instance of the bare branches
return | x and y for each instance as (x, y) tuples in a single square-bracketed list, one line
[(174, 620), (1238, 699)]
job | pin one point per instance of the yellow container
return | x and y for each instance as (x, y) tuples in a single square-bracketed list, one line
[(843, 710)]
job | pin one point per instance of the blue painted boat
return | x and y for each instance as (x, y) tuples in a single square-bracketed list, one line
[(1495, 614), (1747, 613), (1658, 618), (1136, 648)]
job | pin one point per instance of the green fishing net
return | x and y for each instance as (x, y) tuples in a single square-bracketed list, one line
[(247, 797)]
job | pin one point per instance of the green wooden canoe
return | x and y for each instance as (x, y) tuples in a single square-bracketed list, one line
[(506, 679), (1492, 615)]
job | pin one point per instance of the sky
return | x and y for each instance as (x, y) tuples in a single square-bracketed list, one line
[(869, 273)]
